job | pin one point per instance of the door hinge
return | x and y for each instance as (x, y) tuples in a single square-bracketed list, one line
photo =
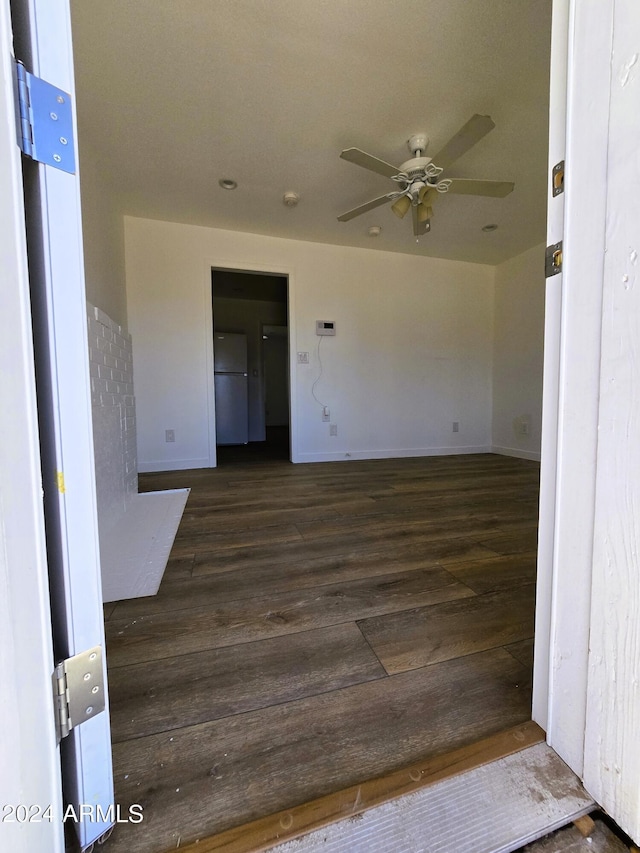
[(78, 688), (553, 259), (557, 179), (44, 117)]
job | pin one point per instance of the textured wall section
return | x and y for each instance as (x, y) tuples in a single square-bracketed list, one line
[(114, 416)]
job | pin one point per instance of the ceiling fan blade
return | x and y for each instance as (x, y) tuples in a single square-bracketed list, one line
[(467, 186), (368, 161), (419, 228), (365, 207), (472, 132), (401, 206)]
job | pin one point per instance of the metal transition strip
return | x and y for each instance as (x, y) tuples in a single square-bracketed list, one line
[(490, 797), (496, 808)]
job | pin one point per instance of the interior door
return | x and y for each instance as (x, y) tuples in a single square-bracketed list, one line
[(30, 756), (42, 41)]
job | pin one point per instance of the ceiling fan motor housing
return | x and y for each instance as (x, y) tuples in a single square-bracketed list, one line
[(417, 142), (416, 164)]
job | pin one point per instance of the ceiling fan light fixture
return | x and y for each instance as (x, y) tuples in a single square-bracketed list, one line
[(401, 206), (488, 228), (228, 184), (418, 180), (428, 195)]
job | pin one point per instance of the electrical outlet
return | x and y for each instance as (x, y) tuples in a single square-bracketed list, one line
[(333, 429), (303, 358), (169, 435), (326, 414), (522, 426), (456, 426)]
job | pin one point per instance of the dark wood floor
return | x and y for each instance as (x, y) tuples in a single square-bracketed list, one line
[(319, 625)]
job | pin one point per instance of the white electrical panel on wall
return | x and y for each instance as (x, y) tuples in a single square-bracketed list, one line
[(325, 327)]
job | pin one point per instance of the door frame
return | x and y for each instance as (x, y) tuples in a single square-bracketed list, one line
[(264, 373), (67, 494), (27, 732), (257, 269), (589, 52), (572, 344)]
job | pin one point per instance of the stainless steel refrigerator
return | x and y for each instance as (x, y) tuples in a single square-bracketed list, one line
[(231, 388)]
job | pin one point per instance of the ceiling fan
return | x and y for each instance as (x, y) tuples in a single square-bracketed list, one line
[(418, 179)]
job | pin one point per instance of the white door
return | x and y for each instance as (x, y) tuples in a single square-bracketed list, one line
[(589, 58), (552, 334), (42, 39), (593, 674), (29, 756)]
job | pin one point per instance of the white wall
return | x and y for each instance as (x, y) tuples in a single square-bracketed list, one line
[(412, 353), (248, 316), (517, 354), (103, 237)]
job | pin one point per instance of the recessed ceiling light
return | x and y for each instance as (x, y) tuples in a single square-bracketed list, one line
[(227, 184), (492, 227), (374, 230)]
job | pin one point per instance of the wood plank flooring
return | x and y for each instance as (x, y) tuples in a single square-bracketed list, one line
[(319, 626)]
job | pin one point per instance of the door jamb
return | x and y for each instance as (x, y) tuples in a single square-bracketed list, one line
[(268, 269)]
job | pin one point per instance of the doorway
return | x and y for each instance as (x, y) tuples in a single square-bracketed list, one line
[(253, 307)]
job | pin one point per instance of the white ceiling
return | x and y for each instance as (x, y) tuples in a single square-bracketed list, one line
[(175, 94)]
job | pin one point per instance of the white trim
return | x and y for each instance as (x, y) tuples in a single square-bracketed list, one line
[(153, 466), (400, 453), (516, 452), (29, 754), (588, 95), (293, 375), (242, 266), (56, 265), (551, 369), (212, 461)]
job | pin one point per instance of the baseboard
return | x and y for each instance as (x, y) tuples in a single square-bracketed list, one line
[(515, 451), (398, 453), (172, 465)]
